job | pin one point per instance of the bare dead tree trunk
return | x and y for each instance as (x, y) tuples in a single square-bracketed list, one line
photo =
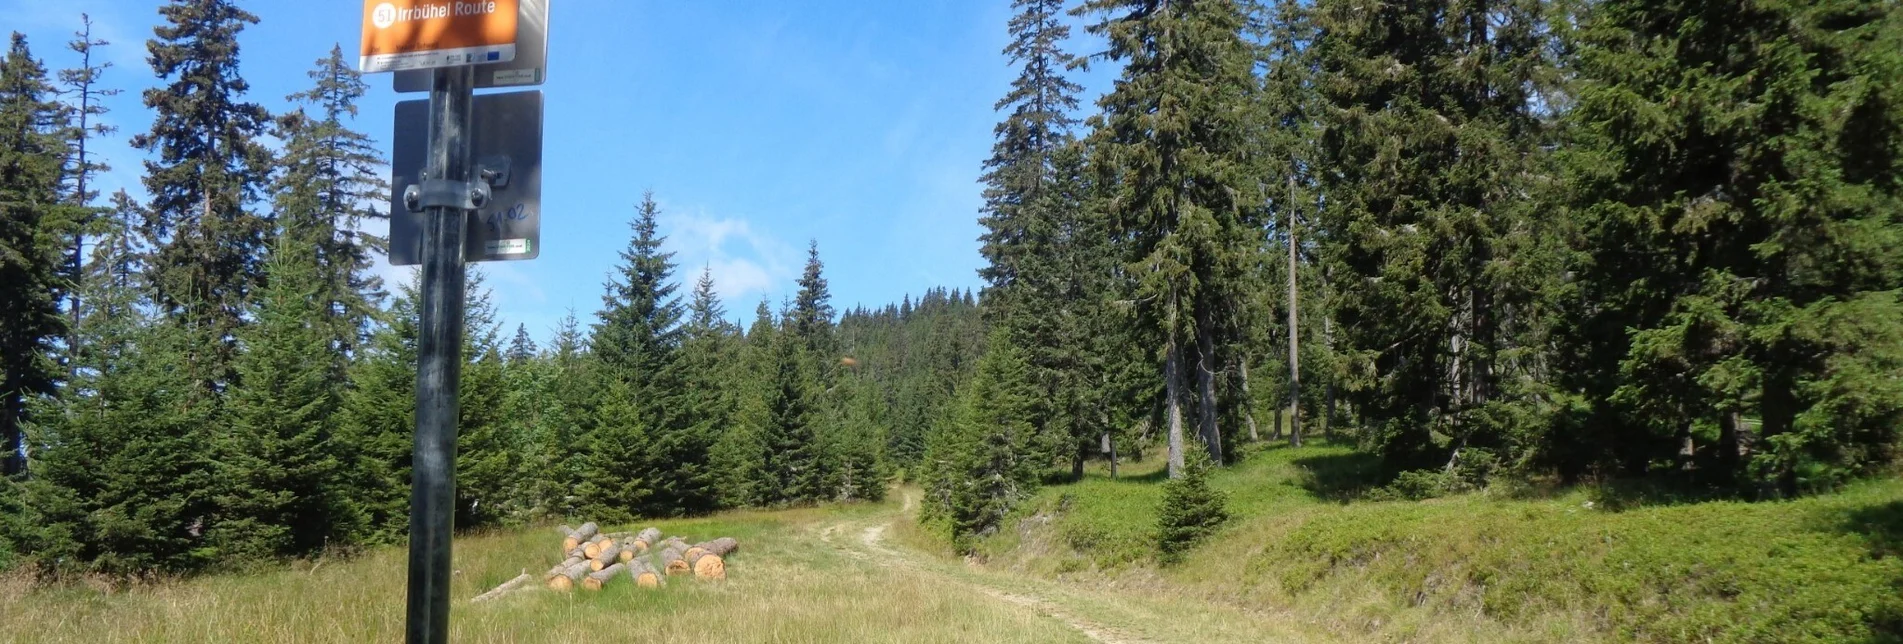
[(1328, 342), (1248, 401), (1294, 329)]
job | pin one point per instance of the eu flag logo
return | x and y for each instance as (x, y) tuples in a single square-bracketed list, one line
[(495, 55)]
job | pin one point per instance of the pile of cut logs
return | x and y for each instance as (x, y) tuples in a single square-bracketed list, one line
[(594, 559)]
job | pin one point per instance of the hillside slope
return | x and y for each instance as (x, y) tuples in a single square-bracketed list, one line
[(1494, 566)]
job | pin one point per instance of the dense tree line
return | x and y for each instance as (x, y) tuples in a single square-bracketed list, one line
[(1616, 238), (219, 379)]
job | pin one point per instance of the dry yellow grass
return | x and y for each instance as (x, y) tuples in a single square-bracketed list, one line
[(788, 587)]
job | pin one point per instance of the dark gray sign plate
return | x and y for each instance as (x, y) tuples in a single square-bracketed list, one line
[(529, 68), (506, 135)]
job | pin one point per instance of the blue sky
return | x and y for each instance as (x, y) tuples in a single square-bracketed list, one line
[(758, 125)]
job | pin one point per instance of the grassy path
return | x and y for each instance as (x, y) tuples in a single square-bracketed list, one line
[(1110, 616)]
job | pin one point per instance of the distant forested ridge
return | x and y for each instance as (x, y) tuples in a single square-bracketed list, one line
[(1613, 239)]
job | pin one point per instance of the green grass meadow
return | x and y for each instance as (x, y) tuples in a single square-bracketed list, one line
[(1499, 565)]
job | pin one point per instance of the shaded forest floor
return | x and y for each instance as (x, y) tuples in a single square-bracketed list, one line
[(1529, 565)]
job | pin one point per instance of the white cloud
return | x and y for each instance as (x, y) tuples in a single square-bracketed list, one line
[(746, 263)]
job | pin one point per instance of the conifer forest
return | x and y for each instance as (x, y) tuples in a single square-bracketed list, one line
[(1480, 243)]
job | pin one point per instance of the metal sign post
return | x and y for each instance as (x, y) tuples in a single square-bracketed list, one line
[(448, 196), (448, 38)]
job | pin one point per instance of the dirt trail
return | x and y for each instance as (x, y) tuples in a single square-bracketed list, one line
[(872, 546)]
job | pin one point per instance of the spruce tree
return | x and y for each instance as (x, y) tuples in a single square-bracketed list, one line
[(1735, 171), (208, 169), (376, 421), (793, 469), (639, 322), (982, 464), (487, 461), (1172, 143), (812, 315), (739, 455), (1429, 178), (328, 175), (1190, 511), (123, 483), (276, 468), (688, 481), (560, 411), (522, 348), (31, 154)]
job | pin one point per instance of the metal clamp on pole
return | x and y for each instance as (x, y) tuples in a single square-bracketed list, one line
[(444, 193)]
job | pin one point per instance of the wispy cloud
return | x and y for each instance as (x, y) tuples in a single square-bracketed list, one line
[(746, 263)]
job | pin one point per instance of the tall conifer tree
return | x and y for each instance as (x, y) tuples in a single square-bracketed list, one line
[(31, 155), (208, 168), (1172, 140)]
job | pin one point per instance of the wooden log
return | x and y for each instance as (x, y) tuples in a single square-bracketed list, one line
[(627, 554), (645, 576), (597, 578), (564, 530), (710, 567), (565, 580), (671, 562), (593, 547), (646, 539), (719, 547), (504, 589), (580, 536), (564, 565), (608, 556), (673, 542)]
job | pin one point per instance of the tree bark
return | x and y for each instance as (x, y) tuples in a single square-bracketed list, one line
[(672, 563), (1248, 401), (608, 555), (646, 539), (580, 536), (1730, 450), (566, 578), (644, 573), (599, 577), (1173, 386), (719, 547), (1206, 387), (1294, 328)]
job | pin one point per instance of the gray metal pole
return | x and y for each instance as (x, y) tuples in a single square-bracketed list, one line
[(439, 364)]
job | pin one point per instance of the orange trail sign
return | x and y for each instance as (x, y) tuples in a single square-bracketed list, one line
[(421, 34)]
